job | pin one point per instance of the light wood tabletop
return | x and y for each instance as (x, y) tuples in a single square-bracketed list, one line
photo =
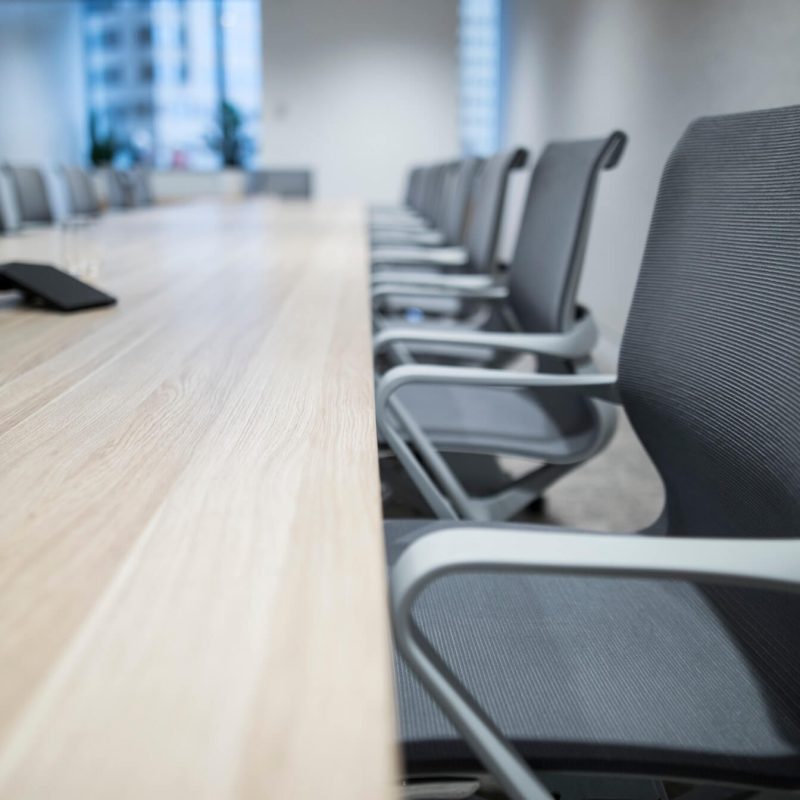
[(192, 578)]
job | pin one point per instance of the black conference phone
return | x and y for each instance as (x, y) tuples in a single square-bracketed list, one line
[(43, 284)]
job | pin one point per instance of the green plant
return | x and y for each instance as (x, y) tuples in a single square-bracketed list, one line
[(229, 139), (102, 148)]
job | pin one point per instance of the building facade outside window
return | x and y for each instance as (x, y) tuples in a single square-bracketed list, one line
[(160, 73)]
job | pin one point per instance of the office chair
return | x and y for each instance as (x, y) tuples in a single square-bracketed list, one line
[(480, 242), (81, 193), (287, 183), (129, 188), (33, 194), (9, 210), (412, 198), (456, 193), (432, 210), (441, 421), (673, 655)]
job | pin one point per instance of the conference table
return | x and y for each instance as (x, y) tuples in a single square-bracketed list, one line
[(192, 574)]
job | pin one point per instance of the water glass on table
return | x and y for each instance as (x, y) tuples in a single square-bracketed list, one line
[(81, 254)]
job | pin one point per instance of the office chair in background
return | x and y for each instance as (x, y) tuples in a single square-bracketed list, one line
[(129, 188), (479, 250), (555, 191), (10, 219), (452, 212), (286, 183), (34, 194), (81, 192)]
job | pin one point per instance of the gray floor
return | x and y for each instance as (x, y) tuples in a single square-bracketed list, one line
[(617, 491)]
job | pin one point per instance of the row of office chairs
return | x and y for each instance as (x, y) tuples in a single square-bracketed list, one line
[(32, 195), (450, 429), (286, 183), (539, 660)]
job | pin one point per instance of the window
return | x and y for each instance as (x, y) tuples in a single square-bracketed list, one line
[(480, 58), (144, 36), (111, 76), (157, 86), (110, 38)]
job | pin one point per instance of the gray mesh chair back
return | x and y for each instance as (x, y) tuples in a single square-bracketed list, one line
[(434, 189), (294, 183), (447, 176), (549, 253), (710, 363), (427, 189), (461, 180), (81, 191), (413, 187), (548, 258), (34, 201), (9, 211), (488, 201)]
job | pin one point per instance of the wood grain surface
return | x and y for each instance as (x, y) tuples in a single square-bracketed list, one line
[(192, 578)]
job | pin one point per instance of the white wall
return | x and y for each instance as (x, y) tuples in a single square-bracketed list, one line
[(359, 89), (42, 105), (584, 67)]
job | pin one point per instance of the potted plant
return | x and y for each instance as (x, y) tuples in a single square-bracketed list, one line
[(229, 139), (102, 148)]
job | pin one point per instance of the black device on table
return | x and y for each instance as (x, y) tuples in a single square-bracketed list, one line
[(52, 287)]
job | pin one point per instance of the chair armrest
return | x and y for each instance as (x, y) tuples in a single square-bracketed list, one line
[(600, 387), (439, 256), (771, 564), (575, 343), (403, 278), (384, 290)]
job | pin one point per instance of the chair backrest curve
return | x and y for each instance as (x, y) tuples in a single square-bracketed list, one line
[(710, 363), (551, 243)]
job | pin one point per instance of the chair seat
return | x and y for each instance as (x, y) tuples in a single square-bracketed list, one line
[(420, 256), (400, 308), (482, 419), (603, 675), (423, 238), (442, 306)]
